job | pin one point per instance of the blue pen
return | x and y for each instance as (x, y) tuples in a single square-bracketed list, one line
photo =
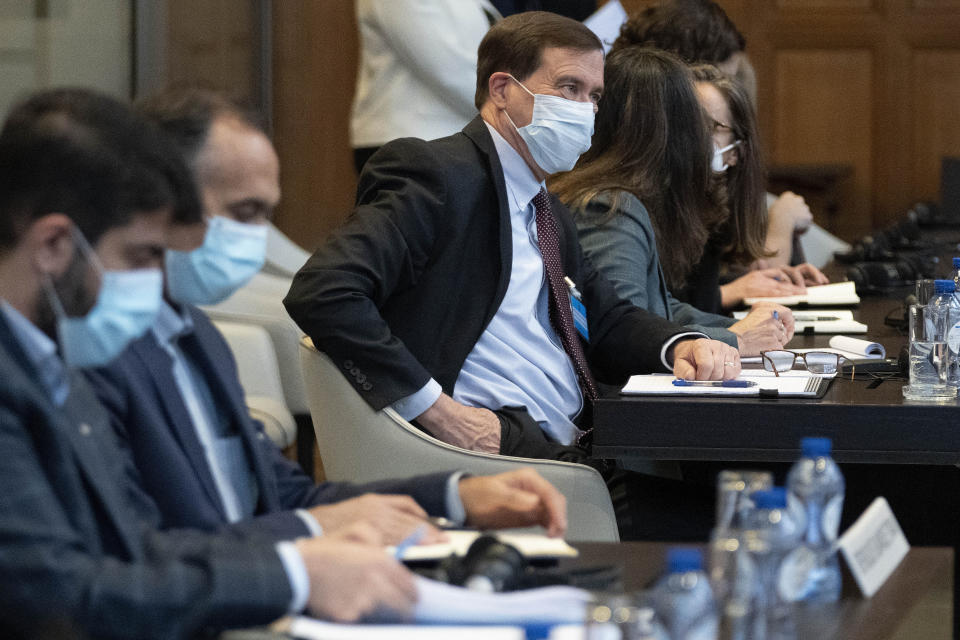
[(411, 540), (734, 384), (776, 315)]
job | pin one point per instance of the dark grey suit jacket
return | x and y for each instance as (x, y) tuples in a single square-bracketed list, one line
[(150, 418), (78, 539), (403, 291)]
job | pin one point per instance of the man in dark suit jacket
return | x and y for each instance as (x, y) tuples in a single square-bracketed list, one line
[(237, 174), (416, 296), (86, 194)]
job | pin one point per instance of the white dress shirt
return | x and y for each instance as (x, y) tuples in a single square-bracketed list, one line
[(418, 68)]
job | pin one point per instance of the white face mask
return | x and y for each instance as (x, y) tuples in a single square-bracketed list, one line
[(716, 162), (559, 132)]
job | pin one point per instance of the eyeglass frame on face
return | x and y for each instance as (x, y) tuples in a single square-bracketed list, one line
[(764, 359)]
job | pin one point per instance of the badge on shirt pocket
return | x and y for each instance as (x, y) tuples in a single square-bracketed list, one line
[(579, 317)]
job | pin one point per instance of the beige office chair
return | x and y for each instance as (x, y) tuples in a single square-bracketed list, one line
[(259, 375), (358, 444), (260, 302)]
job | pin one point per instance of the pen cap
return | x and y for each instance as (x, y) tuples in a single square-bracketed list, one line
[(682, 560), (815, 447), (772, 498), (944, 286)]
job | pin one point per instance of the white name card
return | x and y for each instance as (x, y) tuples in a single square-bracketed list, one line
[(874, 546)]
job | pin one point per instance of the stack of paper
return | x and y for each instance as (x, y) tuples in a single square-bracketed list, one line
[(837, 293), (501, 614), (821, 321)]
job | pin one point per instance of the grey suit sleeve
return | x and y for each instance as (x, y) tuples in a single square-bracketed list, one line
[(623, 248), (54, 561), (712, 324)]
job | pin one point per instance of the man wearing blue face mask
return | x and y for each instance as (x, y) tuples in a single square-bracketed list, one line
[(457, 292), (175, 399), (87, 192)]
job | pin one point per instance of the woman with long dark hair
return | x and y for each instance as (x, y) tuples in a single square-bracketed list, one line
[(742, 242), (644, 200)]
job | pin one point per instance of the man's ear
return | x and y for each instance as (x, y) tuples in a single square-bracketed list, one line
[(497, 88), (50, 243)]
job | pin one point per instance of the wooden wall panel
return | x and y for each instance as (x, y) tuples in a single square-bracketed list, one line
[(822, 115), (315, 66), (827, 4), (212, 44), (936, 107)]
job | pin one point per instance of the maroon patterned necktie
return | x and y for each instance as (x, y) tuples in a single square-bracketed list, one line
[(561, 317)]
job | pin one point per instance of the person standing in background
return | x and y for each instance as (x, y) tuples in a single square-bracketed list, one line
[(418, 69)]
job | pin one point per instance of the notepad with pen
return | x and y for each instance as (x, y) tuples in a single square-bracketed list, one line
[(758, 383)]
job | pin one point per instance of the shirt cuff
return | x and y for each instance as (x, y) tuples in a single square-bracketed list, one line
[(416, 403), (296, 571), (314, 527), (455, 510), (670, 342)]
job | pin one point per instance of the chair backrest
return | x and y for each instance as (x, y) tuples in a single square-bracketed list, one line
[(284, 256), (253, 350), (819, 245), (358, 444), (260, 302)]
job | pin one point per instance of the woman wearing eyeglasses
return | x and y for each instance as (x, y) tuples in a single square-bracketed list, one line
[(751, 237), (643, 199)]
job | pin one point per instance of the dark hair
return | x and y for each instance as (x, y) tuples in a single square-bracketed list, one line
[(516, 43), (650, 139), (744, 233), (89, 156), (695, 30), (186, 115)]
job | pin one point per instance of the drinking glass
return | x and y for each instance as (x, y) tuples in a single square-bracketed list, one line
[(928, 360)]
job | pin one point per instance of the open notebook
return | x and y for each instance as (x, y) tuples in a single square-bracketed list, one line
[(795, 383), (837, 293)]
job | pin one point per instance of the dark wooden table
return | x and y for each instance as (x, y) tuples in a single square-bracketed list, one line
[(866, 424), (914, 603)]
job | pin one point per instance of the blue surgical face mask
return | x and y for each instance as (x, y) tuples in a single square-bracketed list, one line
[(231, 254), (559, 132), (126, 306)]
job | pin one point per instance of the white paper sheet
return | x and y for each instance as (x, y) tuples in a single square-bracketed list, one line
[(606, 22)]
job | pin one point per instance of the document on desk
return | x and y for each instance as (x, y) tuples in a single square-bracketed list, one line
[(531, 545), (498, 616), (795, 383), (836, 293), (820, 321)]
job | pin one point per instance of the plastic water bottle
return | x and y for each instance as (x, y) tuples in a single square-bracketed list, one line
[(684, 599), (773, 539), (943, 312), (816, 486)]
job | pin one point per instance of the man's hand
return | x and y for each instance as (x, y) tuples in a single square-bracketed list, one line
[(393, 517), (518, 498), (462, 426), (760, 284), (352, 576), (760, 331), (704, 360)]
